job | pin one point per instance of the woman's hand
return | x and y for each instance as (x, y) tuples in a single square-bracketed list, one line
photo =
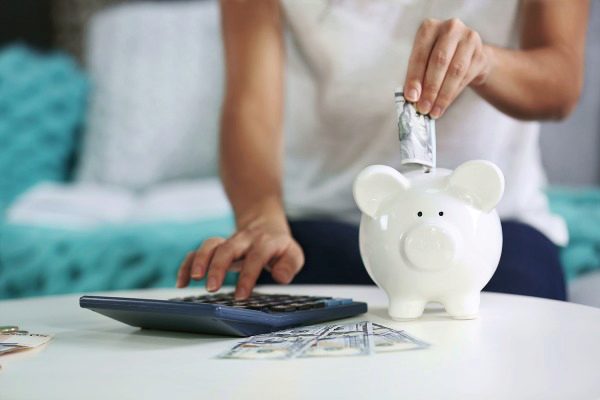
[(446, 57), (261, 244)]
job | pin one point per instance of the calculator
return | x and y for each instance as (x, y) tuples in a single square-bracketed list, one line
[(221, 314)]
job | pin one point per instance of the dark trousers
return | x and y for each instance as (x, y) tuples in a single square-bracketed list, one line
[(529, 264)]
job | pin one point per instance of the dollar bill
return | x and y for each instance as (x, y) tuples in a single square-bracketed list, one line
[(354, 339), (20, 340), (278, 345), (416, 134), (335, 340), (387, 340)]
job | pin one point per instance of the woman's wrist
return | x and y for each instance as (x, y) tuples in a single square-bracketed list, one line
[(490, 60), (268, 211)]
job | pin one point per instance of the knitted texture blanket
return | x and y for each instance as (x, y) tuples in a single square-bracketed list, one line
[(42, 102), (38, 261), (581, 210)]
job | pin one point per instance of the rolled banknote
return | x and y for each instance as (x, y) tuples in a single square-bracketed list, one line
[(416, 133)]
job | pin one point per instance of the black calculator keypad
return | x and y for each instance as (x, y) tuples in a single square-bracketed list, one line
[(275, 303)]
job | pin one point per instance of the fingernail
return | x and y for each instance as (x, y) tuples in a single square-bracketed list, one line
[(241, 293), (283, 276), (197, 274), (211, 284), (412, 95), (425, 107), (436, 112)]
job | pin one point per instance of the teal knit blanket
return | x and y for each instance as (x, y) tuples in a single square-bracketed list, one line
[(42, 102), (38, 261), (581, 210)]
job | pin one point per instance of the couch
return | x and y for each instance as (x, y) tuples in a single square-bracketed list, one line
[(57, 126)]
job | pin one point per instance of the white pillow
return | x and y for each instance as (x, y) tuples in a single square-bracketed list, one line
[(88, 205), (157, 80)]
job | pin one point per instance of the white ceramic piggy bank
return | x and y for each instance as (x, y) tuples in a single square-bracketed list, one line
[(431, 236)]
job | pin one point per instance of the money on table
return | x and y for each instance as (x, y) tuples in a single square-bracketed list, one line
[(355, 339), (285, 344), (387, 340), (352, 339), (15, 341)]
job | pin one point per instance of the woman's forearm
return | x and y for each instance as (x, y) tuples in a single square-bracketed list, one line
[(540, 80), (251, 166), (251, 121), (543, 79), (540, 83)]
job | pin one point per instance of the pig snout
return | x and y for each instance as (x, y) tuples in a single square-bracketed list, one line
[(431, 247)]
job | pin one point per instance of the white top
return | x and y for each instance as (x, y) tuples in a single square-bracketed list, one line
[(519, 348), (345, 58)]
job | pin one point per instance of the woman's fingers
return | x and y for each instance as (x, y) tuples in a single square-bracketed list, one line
[(444, 55), (449, 35), (288, 265), (253, 249), (224, 255), (457, 71), (261, 252), (203, 256), (417, 63), (183, 275)]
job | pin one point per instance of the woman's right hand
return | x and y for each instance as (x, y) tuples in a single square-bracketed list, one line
[(262, 243)]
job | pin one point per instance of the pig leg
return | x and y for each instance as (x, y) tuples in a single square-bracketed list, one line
[(463, 306), (402, 309)]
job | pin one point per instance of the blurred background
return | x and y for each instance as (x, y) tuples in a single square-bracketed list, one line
[(108, 147)]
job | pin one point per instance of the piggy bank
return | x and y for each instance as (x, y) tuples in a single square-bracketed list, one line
[(430, 236)]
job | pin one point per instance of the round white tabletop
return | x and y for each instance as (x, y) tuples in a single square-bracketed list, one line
[(519, 348)]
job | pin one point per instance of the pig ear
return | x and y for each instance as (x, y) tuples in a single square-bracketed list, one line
[(375, 184), (479, 182)]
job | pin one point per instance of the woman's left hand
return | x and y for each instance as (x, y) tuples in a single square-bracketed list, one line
[(446, 57)]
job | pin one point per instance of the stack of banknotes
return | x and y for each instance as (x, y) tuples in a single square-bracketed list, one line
[(353, 339), (416, 133), (12, 340)]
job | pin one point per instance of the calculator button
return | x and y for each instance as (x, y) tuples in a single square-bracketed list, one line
[(336, 302), (257, 306), (317, 304), (283, 308), (304, 306), (317, 298)]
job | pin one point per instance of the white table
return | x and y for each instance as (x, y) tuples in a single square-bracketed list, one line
[(519, 347)]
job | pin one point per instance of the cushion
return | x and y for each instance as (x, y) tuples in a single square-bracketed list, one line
[(157, 75), (90, 205), (42, 102)]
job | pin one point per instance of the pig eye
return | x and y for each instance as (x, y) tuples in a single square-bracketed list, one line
[(441, 213), (420, 214)]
